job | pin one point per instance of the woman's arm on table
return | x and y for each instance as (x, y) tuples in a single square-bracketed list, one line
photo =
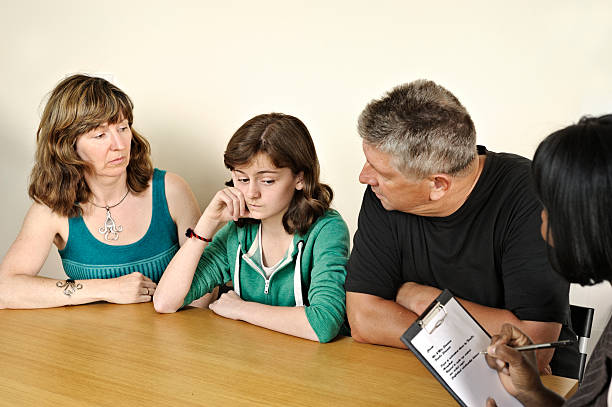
[(21, 287)]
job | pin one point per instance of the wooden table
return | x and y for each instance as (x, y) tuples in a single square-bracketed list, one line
[(127, 355)]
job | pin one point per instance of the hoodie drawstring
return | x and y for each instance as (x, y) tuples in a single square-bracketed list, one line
[(237, 272), (297, 275)]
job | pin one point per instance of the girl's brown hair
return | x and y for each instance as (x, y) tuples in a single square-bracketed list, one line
[(286, 140), (79, 104)]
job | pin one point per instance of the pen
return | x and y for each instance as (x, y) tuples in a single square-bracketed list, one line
[(547, 345)]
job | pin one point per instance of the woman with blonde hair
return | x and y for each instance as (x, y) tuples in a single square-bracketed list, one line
[(112, 216)]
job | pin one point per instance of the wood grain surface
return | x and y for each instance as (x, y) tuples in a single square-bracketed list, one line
[(128, 355)]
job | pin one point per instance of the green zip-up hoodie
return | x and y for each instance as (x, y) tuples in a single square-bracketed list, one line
[(324, 251)]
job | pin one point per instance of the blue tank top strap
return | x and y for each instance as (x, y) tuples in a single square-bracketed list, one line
[(161, 220), (85, 257)]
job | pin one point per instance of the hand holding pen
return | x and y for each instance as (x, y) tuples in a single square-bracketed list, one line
[(517, 369)]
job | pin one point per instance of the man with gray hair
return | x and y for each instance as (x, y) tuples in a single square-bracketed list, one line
[(441, 212)]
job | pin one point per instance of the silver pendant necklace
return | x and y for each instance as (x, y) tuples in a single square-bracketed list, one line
[(110, 230)]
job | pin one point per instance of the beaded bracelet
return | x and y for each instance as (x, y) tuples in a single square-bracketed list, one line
[(190, 233)]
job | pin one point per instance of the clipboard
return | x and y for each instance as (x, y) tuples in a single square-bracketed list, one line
[(447, 340)]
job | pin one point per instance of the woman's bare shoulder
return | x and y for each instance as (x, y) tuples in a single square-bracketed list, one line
[(176, 183), (180, 197)]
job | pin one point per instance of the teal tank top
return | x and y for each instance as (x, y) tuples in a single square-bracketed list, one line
[(85, 257)]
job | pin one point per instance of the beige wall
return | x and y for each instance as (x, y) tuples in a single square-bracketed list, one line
[(196, 70)]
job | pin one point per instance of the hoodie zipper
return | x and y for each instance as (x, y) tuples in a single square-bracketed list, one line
[(266, 278), (256, 268), (267, 287)]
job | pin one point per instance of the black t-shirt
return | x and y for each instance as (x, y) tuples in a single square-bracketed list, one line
[(489, 251)]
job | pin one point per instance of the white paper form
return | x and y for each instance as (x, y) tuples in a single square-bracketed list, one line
[(452, 349)]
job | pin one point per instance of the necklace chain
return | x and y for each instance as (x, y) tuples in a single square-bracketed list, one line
[(107, 207)]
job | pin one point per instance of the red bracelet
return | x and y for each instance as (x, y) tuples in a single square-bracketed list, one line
[(190, 233)]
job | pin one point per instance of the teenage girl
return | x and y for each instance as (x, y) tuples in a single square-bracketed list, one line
[(272, 234)]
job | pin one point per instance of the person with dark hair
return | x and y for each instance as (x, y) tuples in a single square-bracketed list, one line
[(572, 169), (282, 247), (440, 213), (98, 198)]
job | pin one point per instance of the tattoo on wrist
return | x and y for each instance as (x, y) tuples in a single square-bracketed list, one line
[(69, 286)]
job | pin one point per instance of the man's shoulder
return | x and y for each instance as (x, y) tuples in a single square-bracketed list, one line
[(503, 160), (505, 186), (506, 171)]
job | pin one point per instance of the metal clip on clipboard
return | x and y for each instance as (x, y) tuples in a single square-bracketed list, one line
[(433, 319)]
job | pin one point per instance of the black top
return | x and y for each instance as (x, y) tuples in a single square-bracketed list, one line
[(489, 251)]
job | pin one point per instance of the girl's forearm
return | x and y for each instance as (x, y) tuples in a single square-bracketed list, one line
[(287, 320), (178, 276)]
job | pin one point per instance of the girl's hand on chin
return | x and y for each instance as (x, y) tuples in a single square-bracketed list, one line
[(227, 204)]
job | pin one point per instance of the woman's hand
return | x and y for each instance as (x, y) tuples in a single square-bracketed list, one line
[(131, 288), (518, 371), (229, 305)]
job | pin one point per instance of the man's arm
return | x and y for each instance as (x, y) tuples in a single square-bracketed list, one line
[(376, 320), (416, 297), (382, 322), (373, 278)]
